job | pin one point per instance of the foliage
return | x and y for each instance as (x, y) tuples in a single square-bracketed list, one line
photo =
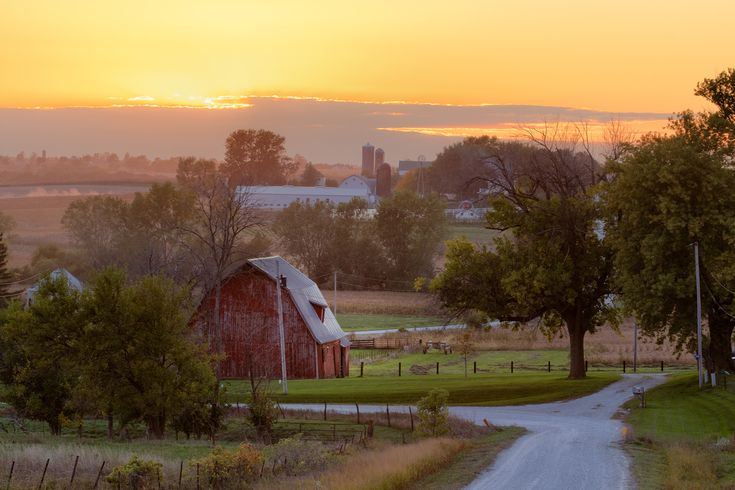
[(150, 363), (95, 224), (262, 409), (410, 229), (138, 474), (295, 455), (257, 157), (5, 277), (310, 176), (7, 223), (464, 346), (457, 167), (38, 348), (433, 413), (668, 193), (225, 469), (551, 261)]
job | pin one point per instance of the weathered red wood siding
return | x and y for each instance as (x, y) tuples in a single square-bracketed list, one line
[(250, 335)]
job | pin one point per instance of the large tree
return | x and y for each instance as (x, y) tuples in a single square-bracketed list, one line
[(97, 226), (257, 157), (5, 277), (667, 194), (549, 261)]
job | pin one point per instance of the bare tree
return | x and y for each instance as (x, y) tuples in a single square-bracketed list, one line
[(224, 214)]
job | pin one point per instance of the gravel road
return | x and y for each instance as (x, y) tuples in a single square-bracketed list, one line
[(570, 445)]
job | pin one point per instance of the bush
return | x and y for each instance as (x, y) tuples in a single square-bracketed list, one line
[(262, 412), (433, 413), (295, 455), (139, 474), (223, 468)]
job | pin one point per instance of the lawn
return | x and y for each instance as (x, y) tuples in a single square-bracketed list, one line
[(678, 410), (487, 362), (480, 389), (351, 322), (674, 436), (476, 233)]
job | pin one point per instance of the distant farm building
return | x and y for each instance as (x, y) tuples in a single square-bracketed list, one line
[(56, 274), (316, 346), (277, 197), (405, 166)]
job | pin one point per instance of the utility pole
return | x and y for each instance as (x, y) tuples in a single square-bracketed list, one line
[(699, 316), (281, 333), (635, 347), (334, 303)]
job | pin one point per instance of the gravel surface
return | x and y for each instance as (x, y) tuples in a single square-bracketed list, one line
[(570, 445)]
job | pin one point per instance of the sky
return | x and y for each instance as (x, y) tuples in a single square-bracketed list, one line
[(399, 71)]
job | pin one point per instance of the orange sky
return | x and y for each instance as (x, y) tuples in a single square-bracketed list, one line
[(608, 55)]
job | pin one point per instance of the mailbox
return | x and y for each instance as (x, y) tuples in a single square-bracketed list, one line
[(640, 392)]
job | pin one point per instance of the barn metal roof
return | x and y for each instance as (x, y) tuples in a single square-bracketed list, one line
[(304, 291), (71, 281)]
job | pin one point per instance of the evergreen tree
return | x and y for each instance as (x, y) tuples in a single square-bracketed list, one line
[(5, 278)]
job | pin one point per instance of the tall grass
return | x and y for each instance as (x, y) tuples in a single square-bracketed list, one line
[(384, 467), (690, 467)]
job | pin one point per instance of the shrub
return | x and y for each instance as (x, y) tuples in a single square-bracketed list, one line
[(223, 468), (262, 412), (295, 455), (433, 413), (139, 474)]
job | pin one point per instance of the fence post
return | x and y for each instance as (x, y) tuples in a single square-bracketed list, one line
[(586, 365), (399, 369), (437, 368), (387, 413), (511, 366), (181, 470), (662, 366), (10, 476), (623, 365), (325, 410), (43, 475), (73, 472), (549, 366), (362, 364), (96, 481), (197, 476), (410, 413), (358, 412)]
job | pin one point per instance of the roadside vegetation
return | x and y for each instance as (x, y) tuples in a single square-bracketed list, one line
[(684, 438)]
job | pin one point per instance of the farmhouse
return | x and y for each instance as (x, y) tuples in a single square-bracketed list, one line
[(316, 346)]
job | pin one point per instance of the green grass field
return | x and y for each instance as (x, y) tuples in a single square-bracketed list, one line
[(480, 389), (487, 362), (676, 432), (678, 410), (351, 322), (476, 233)]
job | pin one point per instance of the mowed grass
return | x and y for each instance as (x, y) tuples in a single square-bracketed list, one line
[(476, 233), (675, 435), (351, 322), (480, 389), (487, 362), (678, 410)]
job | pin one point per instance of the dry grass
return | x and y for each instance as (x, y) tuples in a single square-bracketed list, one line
[(690, 467), (606, 347), (30, 460), (384, 302), (381, 467)]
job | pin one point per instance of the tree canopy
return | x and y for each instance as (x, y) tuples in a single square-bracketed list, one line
[(669, 192), (549, 262), (257, 157)]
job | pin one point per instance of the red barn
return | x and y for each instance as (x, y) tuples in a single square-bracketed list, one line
[(316, 346)]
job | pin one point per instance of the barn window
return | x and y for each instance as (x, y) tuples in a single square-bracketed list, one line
[(319, 309)]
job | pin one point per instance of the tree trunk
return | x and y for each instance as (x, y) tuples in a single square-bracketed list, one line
[(718, 355), (110, 431), (576, 350), (156, 427)]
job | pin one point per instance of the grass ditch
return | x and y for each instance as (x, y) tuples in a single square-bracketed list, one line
[(684, 438)]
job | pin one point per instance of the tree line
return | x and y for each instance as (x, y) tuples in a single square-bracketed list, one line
[(581, 243)]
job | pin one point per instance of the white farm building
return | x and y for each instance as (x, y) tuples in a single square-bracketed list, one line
[(281, 196)]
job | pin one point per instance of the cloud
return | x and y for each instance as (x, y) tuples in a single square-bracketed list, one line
[(321, 130)]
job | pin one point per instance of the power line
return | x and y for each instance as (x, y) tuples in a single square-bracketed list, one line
[(26, 279)]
